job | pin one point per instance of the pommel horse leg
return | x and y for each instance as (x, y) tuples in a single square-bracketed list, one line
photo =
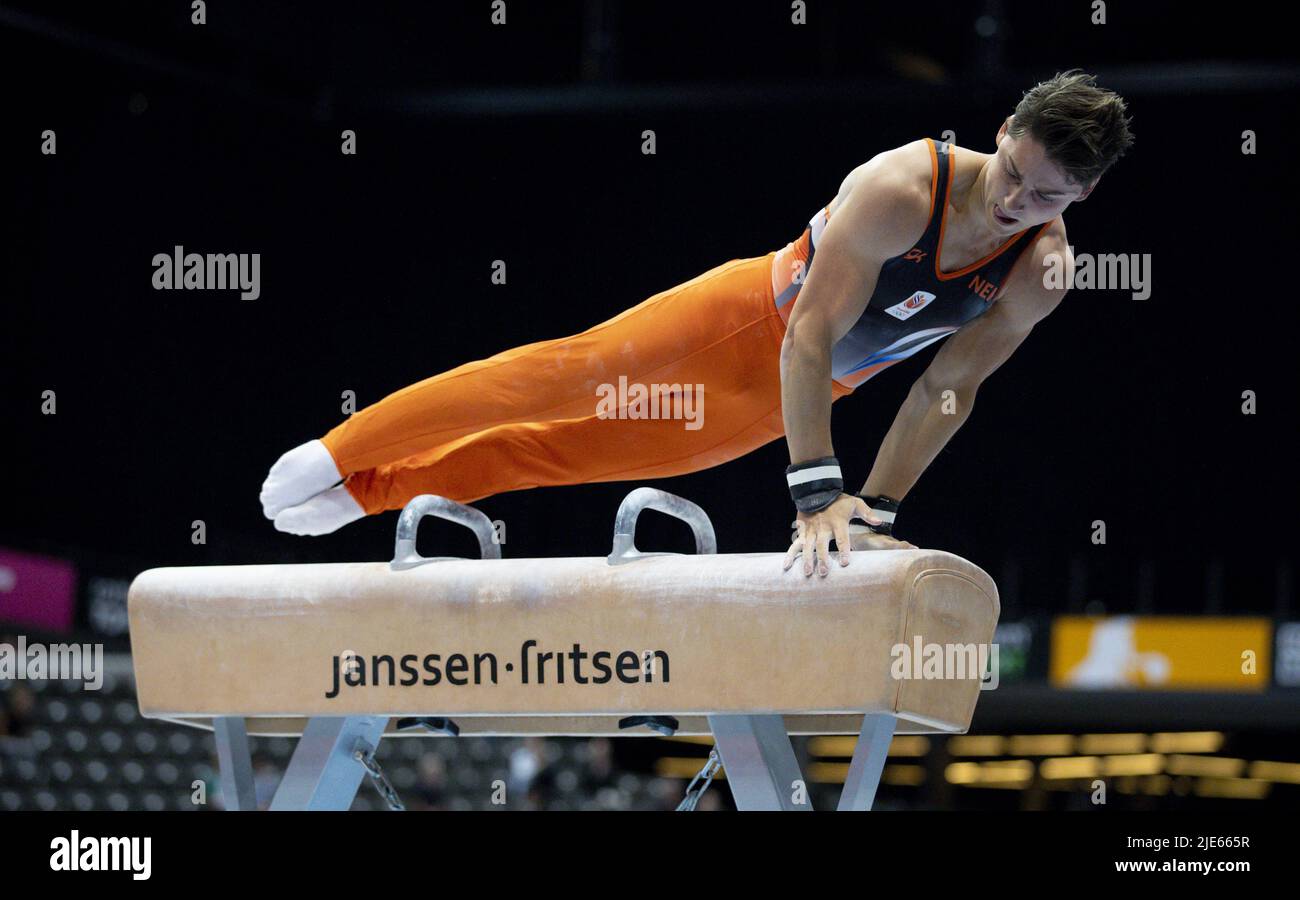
[(868, 762), (323, 773), (759, 761), (762, 770), (236, 763)]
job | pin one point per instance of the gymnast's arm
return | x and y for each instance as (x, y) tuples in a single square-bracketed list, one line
[(880, 218), (929, 417)]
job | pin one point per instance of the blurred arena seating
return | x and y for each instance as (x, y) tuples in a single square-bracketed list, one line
[(67, 748)]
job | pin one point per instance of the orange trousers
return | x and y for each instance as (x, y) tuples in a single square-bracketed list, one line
[(533, 416)]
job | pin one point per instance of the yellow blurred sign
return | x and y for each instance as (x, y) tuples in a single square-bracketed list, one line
[(1161, 652)]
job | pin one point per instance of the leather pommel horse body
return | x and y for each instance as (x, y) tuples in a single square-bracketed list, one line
[(634, 644)]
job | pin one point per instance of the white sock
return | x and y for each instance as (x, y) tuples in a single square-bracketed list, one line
[(326, 512), (298, 475)]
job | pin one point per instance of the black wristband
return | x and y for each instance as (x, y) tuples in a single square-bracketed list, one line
[(885, 508), (815, 483)]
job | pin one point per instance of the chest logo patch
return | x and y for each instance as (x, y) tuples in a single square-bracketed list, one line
[(911, 306)]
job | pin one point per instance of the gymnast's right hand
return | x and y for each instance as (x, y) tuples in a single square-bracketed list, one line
[(815, 531)]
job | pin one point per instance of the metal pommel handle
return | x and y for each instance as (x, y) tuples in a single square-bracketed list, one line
[(650, 498), (405, 555)]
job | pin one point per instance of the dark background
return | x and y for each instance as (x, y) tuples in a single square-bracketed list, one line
[(522, 143)]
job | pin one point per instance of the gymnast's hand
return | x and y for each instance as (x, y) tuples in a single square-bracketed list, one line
[(815, 531)]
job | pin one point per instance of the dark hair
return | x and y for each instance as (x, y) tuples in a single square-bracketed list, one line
[(1081, 126)]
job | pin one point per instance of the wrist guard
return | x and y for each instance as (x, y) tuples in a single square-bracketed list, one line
[(815, 484), (885, 509)]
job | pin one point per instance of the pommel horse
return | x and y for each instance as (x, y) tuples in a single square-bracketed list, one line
[(637, 643)]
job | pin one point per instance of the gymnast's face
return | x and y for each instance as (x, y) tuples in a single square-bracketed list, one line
[(1023, 187)]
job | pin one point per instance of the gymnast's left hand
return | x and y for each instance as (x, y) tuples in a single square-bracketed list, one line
[(815, 531)]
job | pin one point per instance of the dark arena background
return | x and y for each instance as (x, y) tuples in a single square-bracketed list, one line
[(1127, 478)]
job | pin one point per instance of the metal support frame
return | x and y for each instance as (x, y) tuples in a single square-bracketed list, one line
[(759, 762), (763, 773), (323, 775), (756, 755), (868, 762), (236, 763)]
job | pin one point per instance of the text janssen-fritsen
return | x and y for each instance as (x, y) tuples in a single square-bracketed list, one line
[(535, 666)]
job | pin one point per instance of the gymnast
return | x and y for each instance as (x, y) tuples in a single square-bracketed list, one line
[(772, 340)]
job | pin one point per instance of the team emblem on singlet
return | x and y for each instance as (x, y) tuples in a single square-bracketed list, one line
[(911, 306)]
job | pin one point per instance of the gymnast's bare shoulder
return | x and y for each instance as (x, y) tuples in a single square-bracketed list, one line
[(884, 204), (910, 162), (880, 211)]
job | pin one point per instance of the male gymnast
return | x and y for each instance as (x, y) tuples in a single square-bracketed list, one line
[(922, 242)]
